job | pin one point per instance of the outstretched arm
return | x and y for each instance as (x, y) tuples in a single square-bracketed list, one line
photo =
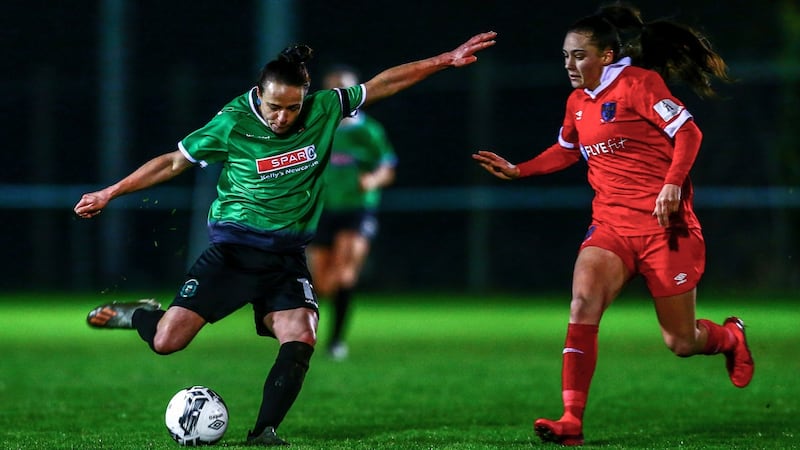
[(394, 80), (157, 170), (553, 159)]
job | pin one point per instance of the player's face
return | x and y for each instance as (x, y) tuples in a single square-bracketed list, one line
[(584, 61), (281, 105)]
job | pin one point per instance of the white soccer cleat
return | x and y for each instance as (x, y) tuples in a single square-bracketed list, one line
[(119, 314)]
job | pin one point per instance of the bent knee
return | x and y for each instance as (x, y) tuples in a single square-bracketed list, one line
[(164, 345), (681, 347)]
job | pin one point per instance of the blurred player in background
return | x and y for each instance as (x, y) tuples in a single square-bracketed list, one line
[(362, 163), (640, 143), (274, 142)]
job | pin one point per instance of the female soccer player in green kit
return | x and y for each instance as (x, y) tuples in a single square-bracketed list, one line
[(274, 143)]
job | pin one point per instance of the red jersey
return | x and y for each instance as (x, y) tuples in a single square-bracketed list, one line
[(624, 129)]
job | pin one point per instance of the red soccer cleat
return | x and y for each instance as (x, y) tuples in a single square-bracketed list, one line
[(739, 361), (559, 432)]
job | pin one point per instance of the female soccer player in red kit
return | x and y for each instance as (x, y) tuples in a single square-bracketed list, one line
[(639, 142)]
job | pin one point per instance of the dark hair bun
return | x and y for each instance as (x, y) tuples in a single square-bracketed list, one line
[(297, 54)]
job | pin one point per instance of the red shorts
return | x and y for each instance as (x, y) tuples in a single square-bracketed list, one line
[(671, 263)]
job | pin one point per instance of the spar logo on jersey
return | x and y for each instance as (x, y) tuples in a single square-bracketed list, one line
[(285, 160)]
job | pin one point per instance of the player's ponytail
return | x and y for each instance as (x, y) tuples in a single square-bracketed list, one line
[(675, 51), (679, 52)]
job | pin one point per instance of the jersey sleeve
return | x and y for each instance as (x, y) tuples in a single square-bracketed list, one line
[(351, 99), (654, 101), (209, 144)]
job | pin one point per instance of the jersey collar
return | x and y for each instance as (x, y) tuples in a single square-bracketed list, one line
[(610, 73), (254, 101)]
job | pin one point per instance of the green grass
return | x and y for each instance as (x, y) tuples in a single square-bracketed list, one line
[(425, 372)]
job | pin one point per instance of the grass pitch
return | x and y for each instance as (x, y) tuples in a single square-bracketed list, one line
[(425, 372)]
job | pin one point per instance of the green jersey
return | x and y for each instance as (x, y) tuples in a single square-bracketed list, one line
[(360, 146), (269, 193)]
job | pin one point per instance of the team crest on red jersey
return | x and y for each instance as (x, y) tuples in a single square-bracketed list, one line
[(608, 112), (288, 159)]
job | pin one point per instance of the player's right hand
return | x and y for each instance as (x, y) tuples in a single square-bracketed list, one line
[(496, 165), (465, 53)]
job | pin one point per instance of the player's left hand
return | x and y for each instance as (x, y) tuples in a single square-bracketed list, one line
[(496, 165), (464, 54), (91, 204), (667, 202)]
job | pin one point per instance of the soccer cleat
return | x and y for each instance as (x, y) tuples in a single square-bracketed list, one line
[(119, 314), (739, 361), (559, 431), (267, 438)]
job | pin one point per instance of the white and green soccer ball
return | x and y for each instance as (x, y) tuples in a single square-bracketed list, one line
[(196, 416)]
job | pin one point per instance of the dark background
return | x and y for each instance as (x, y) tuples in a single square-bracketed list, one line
[(86, 99)]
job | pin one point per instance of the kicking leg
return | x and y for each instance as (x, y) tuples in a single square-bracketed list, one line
[(164, 331)]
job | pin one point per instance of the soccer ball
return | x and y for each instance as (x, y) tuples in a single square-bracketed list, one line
[(196, 416)]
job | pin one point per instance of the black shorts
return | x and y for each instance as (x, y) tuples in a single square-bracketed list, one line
[(332, 222), (228, 276)]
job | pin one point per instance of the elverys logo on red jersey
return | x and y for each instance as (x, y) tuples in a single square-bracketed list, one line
[(288, 159)]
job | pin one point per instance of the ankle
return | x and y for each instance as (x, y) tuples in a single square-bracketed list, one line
[(571, 418)]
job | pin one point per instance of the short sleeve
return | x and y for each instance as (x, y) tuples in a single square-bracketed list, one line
[(209, 144)]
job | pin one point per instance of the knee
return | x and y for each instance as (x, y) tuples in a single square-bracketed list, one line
[(584, 310), (309, 338), (294, 325), (164, 344), (349, 278), (680, 346)]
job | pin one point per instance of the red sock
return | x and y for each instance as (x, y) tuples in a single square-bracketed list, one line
[(720, 339), (579, 361)]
